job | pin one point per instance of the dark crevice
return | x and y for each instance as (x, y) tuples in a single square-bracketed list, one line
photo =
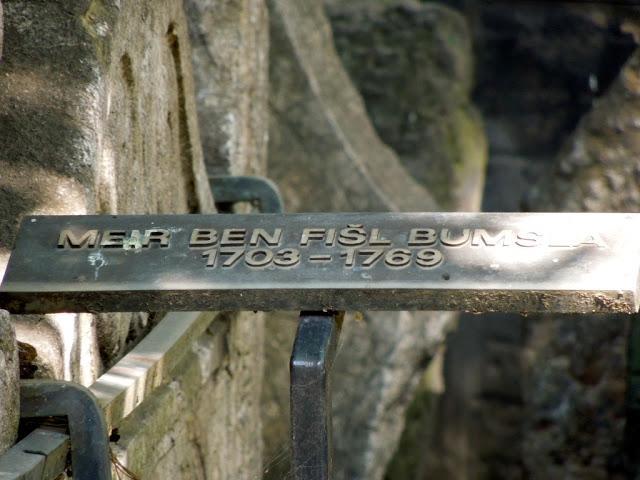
[(186, 148)]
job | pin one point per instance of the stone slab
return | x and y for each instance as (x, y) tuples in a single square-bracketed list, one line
[(41, 455), (127, 384), (357, 261)]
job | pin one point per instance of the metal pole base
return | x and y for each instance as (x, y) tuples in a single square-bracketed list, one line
[(314, 351)]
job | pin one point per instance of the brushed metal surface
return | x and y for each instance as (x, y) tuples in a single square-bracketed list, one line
[(563, 262)]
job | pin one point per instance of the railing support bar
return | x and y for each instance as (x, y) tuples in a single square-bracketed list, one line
[(314, 351)]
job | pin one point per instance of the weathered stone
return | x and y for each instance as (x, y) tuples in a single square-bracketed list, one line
[(409, 460), (97, 114), (83, 130), (9, 388), (41, 348), (575, 388), (383, 358), (203, 424), (598, 169), (575, 398), (413, 65), (325, 156), (230, 42), (538, 70), (478, 424), (320, 125)]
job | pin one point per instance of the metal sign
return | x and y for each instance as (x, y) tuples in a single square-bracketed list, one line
[(355, 261)]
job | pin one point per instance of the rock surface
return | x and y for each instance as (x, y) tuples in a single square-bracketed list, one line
[(597, 171), (326, 156), (92, 105), (538, 71), (413, 65), (98, 114), (9, 388), (575, 388), (320, 123), (203, 424), (479, 417), (230, 42)]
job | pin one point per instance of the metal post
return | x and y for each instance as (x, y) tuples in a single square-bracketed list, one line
[(632, 427), (311, 364)]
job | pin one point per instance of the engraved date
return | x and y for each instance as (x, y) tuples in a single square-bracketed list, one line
[(228, 257), (259, 258), (394, 258)]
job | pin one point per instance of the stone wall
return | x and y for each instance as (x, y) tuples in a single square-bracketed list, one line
[(83, 131), (204, 422), (98, 115)]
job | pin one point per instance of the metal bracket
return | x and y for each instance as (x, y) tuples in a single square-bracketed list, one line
[(312, 360), (228, 190), (87, 429)]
